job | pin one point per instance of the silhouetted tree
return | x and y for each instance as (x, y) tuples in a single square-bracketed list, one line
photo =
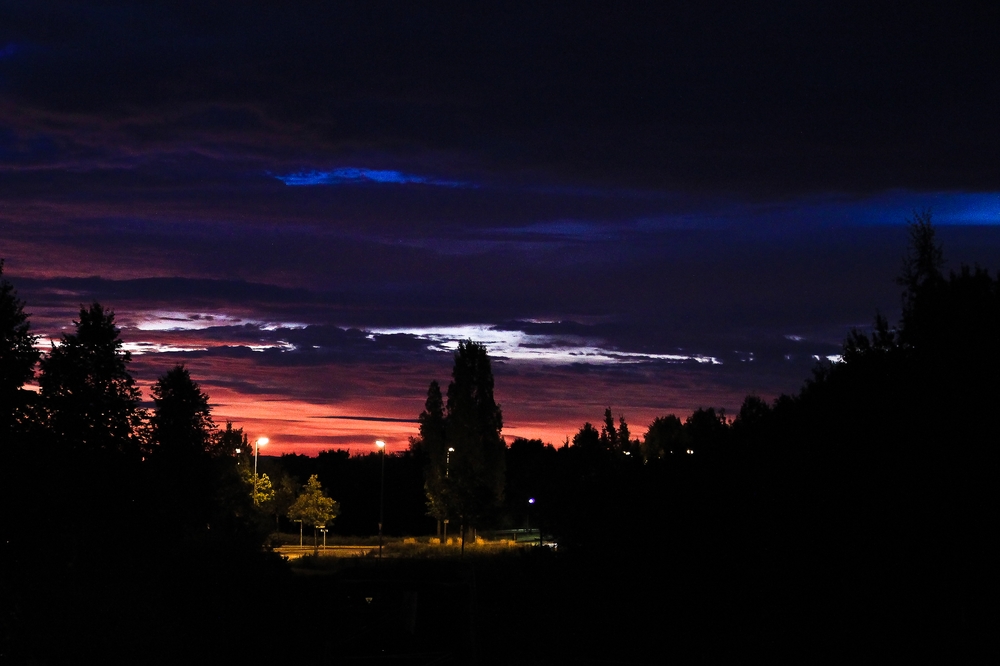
[(609, 435), (473, 425), (587, 439), (18, 357), (184, 446), (663, 438), (433, 445), (921, 266), (753, 419), (91, 400), (231, 443), (531, 473), (706, 430), (182, 420), (625, 443)]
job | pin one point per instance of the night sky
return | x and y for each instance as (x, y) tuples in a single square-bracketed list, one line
[(649, 206)]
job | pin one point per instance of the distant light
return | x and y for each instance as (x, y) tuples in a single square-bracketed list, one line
[(531, 500), (451, 450), (628, 453), (690, 451), (238, 451), (380, 444)]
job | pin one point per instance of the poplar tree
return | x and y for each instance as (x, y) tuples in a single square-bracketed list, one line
[(434, 445), (473, 424), (467, 455)]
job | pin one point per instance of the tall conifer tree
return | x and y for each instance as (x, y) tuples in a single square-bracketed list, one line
[(18, 357), (91, 400)]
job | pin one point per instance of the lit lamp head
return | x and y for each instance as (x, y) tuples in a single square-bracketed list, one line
[(380, 444), (262, 441)]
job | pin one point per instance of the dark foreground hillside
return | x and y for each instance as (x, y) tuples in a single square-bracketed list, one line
[(723, 600)]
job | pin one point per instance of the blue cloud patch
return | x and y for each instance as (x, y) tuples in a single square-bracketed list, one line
[(896, 207), (354, 175)]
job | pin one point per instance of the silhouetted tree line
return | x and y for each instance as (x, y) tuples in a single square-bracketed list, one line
[(861, 509), (102, 499)]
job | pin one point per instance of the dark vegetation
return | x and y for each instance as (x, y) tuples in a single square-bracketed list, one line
[(854, 520)]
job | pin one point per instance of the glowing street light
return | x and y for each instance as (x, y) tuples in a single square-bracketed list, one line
[(261, 441), (381, 498), (527, 521), (447, 469)]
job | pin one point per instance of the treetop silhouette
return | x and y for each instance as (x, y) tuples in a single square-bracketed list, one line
[(18, 356), (182, 421), (91, 400)]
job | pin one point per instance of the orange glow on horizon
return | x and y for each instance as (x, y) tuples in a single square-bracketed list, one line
[(309, 409)]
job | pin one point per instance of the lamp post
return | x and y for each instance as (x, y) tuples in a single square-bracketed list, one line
[(531, 503), (261, 441), (447, 469), (381, 498)]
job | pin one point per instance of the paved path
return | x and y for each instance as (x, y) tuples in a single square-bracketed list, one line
[(294, 552)]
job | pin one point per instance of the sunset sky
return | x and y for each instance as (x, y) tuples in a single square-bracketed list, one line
[(649, 206)]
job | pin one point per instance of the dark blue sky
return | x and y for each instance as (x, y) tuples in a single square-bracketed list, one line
[(655, 207)]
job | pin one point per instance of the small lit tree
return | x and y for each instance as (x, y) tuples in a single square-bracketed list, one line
[(262, 491), (313, 507)]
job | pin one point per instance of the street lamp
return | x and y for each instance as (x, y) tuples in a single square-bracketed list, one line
[(261, 441), (447, 469), (527, 522), (381, 498)]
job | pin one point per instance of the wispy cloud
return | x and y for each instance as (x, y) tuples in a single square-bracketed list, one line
[(165, 320), (357, 175), (518, 345)]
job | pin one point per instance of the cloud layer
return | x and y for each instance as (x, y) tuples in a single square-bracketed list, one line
[(650, 207)]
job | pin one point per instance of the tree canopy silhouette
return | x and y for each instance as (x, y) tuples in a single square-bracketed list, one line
[(182, 420), (466, 482), (432, 443), (18, 357), (91, 400)]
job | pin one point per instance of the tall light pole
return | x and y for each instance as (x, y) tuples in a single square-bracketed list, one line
[(531, 503), (261, 441), (381, 498), (447, 471)]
